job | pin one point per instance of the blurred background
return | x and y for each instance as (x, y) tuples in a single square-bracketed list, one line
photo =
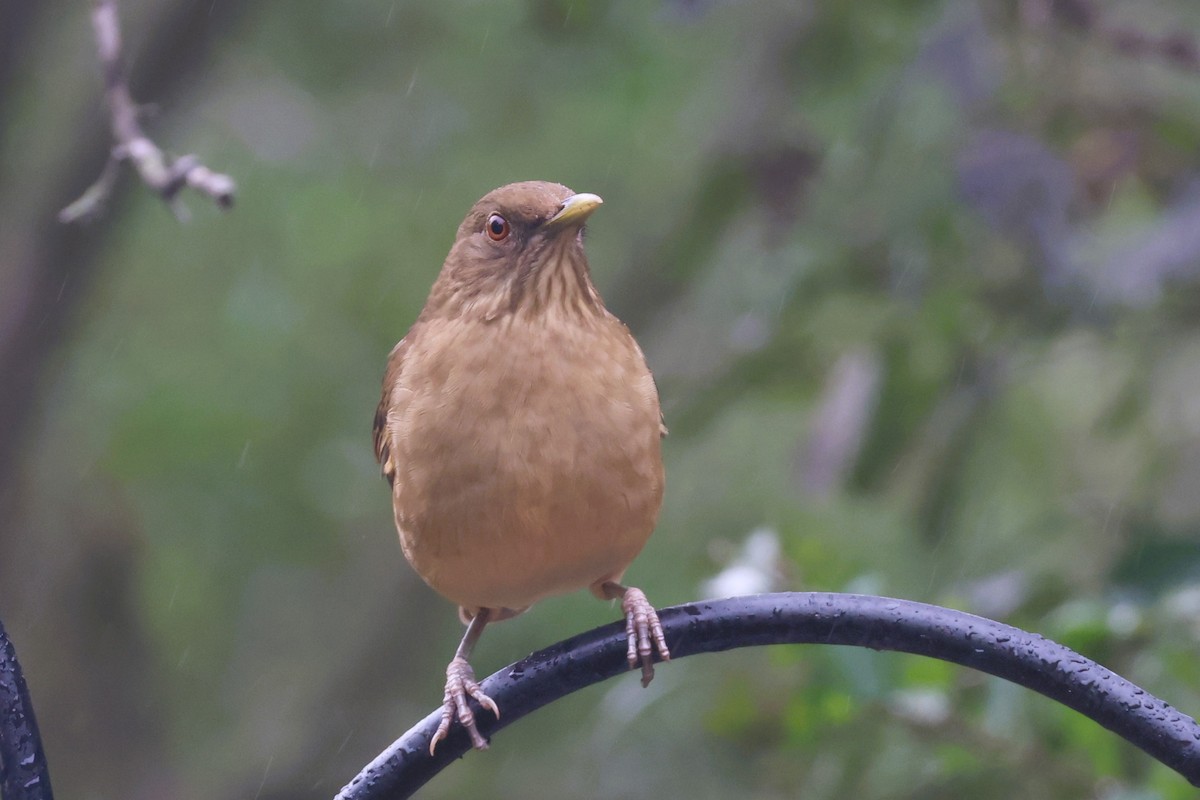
[(919, 280)]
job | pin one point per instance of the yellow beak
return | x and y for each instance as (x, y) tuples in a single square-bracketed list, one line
[(575, 210)]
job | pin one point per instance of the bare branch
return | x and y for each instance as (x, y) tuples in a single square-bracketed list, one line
[(163, 176), (1178, 50), (24, 774), (879, 623)]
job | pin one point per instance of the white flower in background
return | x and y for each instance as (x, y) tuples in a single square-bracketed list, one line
[(753, 569)]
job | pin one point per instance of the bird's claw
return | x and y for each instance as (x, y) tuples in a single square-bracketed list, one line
[(645, 633), (460, 682)]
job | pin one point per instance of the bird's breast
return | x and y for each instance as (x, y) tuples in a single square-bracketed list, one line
[(528, 456)]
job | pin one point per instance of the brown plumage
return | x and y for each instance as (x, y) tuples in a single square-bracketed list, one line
[(520, 430)]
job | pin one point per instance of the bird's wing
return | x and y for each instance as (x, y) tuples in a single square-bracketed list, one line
[(662, 418), (383, 445)]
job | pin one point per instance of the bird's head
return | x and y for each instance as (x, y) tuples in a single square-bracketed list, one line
[(520, 250)]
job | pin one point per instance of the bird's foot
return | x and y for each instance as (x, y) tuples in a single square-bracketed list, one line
[(460, 682), (645, 633)]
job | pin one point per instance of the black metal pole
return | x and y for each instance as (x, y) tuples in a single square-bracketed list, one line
[(23, 771), (879, 623)]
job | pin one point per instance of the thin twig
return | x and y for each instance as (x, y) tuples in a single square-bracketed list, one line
[(1178, 50), (163, 176)]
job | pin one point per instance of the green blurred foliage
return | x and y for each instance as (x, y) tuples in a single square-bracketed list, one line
[(918, 281)]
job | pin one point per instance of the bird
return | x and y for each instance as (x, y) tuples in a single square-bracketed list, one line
[(520, 430)]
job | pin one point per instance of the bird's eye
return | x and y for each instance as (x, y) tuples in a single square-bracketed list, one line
[(497, 228)]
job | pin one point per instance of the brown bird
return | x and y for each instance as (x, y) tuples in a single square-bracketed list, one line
[(520, 431)]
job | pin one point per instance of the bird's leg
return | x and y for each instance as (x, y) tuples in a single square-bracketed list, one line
[(460, 682), (642, 628)]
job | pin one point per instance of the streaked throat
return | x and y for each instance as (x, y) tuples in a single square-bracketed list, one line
[(557, 283)]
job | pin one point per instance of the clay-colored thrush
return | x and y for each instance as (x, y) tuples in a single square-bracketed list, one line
[(520, 430)]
